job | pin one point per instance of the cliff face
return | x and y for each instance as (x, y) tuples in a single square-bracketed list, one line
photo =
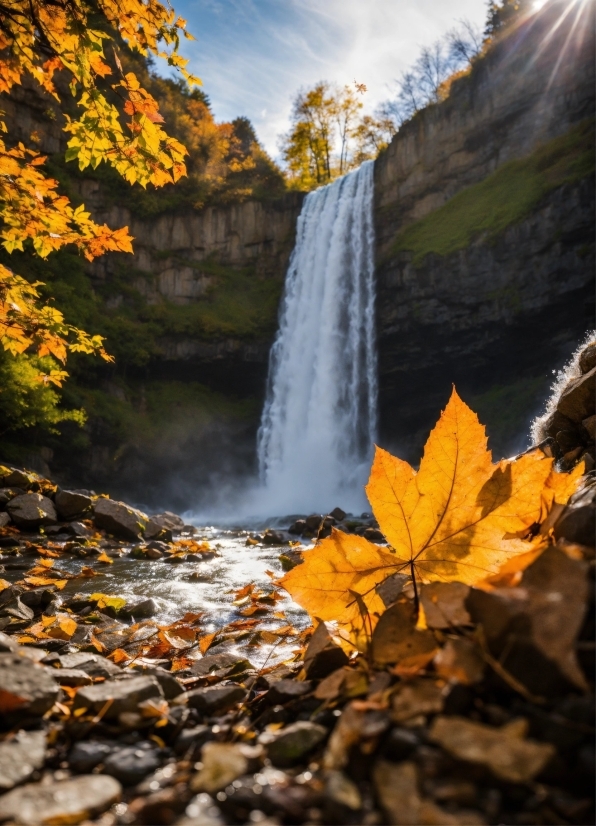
[(494, 312)]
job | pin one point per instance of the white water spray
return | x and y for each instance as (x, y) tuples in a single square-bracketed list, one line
[(319, 420)]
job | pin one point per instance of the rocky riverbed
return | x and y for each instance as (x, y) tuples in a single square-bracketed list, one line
[(152, 672)]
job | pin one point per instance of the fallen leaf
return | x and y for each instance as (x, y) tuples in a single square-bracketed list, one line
[(397, 641), (103, 557), (119, 656), (418, 697), (4, 584), (444, 604), (460, 660), (86, 571), (446, 522), (503, 750), (205, 642)]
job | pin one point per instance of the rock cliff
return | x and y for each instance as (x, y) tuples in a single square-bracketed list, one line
[(485, 244)]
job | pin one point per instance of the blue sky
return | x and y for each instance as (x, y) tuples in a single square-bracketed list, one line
[(253, 55)]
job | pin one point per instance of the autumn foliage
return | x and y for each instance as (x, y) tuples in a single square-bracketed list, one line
[(68, 39), (459, 518)]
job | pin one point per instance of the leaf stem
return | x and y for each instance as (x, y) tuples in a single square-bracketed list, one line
[(416, 599)]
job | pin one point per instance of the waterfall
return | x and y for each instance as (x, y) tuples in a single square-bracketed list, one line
[(319, 420)]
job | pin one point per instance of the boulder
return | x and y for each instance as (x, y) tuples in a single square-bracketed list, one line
[(163, 523), (298, 527), (25, 686), (72, 503), (92, 664), (32, 510), (169, 684), (60, 801), (4, 519), (6, 494), (338, 514), (587, 359), (271, 537), (20, 757), (12, 477), (125, 695), (119, 519), (141, 609), (577, 401)]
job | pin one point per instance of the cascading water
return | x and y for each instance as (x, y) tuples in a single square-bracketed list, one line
[(319, 420)]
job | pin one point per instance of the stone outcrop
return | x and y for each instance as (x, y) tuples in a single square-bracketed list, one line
[(503, 309)]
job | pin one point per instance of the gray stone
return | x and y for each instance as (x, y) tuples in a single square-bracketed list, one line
[(4, 519), (169, 684), (88, 754), (289, 745), (217, 662), (63, 801), (32, 510), (73, 677), (282, 691), (25, 686), (119, 519), (125, 695), (76, 529), (8, 644), (211, 701), (139, 610), (163, 523), (92, 664), (131, 764), (72, 503), (15, 478), (6, 494), (192, 738), (20, 757)]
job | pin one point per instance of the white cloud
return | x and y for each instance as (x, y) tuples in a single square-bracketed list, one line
[(253, 55)]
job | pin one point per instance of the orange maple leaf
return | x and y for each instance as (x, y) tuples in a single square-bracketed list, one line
[(460, 517)]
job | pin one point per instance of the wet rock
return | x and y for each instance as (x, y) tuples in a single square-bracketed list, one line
[(4, 519), (162, 525), (222, 764), (274, 538), (17, 610), (131, 764), (169, 684), (20, 757), (282, 691), (92, 664), (373, 535), (577, 523), (72, 503), (504, 750), (289, 745), (119, 519), (38, 599), (122, 695), (76, 529), (399, 744), (298, 527), (577, 401), (142, 609), (87, 754), (8, 644), (290, 559), (323, 655), (65, 801), (211, 663), (210, 701), (397, 788), (31, 510), (313, 522), (192, 738), (6, 494), (338, 514), (25, 686), (15, 478), (72, 677)]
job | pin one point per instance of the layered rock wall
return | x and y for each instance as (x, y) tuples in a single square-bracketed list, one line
[(505, 310)]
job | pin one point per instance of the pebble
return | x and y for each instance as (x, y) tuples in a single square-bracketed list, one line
[(131, 764), (63, 801), (88, 754), (289, 745)]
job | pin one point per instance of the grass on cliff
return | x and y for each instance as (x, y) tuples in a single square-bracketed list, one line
[(503, 198), (240, 304)]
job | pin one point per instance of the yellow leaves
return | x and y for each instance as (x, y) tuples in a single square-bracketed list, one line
[(105, 601), (460, 517), (103, 557)]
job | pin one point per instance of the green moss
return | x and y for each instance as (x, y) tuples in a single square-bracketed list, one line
[(501, 199), (239, 303), (506, 410)]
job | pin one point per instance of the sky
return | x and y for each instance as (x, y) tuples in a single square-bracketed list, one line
[(254, 55)]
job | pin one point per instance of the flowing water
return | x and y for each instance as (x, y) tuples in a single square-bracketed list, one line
[(319, 420)]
